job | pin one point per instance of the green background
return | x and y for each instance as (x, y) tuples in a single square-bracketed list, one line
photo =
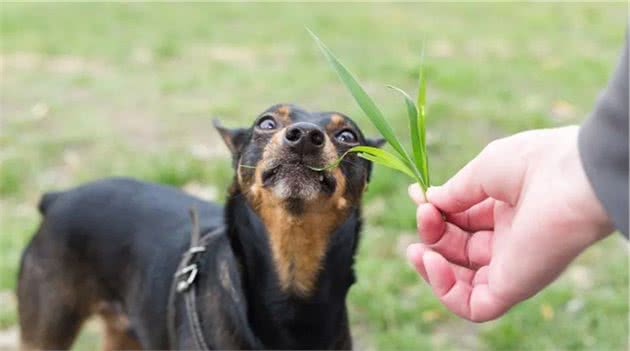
[(89, 91)]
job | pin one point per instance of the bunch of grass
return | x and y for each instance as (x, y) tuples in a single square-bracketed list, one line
[(415, 164)]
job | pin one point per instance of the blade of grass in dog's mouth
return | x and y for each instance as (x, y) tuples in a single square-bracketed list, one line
[(416, 166), (362, 98)]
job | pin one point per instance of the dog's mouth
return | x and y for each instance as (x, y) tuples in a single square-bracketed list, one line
[(295, 180)]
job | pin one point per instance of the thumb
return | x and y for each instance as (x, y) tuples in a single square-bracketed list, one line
[(497, 172)]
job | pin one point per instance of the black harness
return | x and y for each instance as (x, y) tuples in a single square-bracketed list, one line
[(183, 284)]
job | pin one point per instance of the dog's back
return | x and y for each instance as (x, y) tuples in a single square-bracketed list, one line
[(99, 241)]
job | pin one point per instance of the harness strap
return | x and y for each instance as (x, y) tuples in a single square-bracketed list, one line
[(183, 283)]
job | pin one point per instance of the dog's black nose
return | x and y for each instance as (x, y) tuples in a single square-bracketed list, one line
[(304, 137)]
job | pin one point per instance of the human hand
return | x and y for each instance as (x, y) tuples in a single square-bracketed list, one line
[(511, 221)]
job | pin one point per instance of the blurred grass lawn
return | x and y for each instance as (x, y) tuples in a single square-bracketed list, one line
[(89, 91)]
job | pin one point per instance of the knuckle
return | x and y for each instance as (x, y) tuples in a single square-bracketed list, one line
[(458, 199)]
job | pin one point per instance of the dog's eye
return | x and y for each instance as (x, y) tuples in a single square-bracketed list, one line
[(347, 136), (267, 123)]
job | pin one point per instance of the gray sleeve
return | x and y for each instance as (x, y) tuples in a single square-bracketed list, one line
[(603, 146)]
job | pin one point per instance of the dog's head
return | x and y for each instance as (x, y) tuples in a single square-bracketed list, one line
[(277, 156), (276, 162)]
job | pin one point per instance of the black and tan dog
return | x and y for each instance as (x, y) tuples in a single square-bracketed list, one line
[(276, 277)]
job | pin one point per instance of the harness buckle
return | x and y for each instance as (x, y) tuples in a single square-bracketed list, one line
[(190, 270), (196, 249)]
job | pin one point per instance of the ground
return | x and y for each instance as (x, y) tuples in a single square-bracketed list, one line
[(89, 91)]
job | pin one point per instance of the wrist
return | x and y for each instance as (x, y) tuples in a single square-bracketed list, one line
[(584, 199)]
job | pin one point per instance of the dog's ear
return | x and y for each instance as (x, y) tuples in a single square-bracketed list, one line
[(234, 138), (375, 142)]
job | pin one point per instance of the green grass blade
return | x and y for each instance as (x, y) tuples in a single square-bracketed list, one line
[(375, 155), (363, 100), (422, 88), (384, 158), (378, 160), (416, 141), (331, 165), (421, 121)]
